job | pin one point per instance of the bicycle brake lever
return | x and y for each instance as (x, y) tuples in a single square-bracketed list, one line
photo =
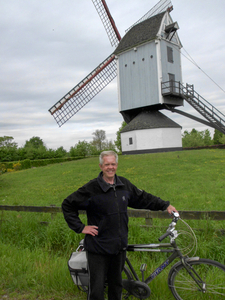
[(175, 214)]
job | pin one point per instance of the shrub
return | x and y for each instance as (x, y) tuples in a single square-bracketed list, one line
[(25, 164), (2, 168), (17, 166)]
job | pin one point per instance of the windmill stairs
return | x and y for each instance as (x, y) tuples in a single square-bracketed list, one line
[(214, 117)]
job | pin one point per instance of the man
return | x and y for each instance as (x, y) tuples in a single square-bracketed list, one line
[(105, 200)]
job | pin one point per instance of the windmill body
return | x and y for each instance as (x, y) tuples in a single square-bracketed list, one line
[(147, 56)]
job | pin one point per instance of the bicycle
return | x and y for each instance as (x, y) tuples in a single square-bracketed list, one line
[(189, 278)]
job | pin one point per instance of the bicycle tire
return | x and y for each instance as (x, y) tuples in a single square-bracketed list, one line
[(183, 286)]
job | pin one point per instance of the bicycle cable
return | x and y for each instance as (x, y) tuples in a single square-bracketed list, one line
[(190, 234)]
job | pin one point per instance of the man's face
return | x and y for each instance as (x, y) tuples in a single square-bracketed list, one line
[(109, 167)]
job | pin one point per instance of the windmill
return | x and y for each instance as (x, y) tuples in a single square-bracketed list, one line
[(148, 64)]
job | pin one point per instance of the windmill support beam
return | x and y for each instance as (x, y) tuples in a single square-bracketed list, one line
[(174, 110)]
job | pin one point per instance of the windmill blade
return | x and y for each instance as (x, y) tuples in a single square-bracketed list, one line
[(84, 91), (107, 21), (161, 6)]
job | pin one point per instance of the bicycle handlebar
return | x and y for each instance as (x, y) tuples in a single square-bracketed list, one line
[(171, 227), (162, 237)]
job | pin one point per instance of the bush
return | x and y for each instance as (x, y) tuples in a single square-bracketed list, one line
[(2, 168), (17, 166), (25, 164)]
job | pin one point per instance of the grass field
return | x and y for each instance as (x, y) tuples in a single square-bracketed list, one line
[(33, 256)]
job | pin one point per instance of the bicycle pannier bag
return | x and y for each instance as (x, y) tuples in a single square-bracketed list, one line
[(78, 268)]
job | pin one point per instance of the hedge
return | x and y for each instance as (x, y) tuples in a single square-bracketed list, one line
[(27, 163)]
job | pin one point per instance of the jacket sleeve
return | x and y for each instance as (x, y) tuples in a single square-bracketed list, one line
[(143, 200), (70, 206)]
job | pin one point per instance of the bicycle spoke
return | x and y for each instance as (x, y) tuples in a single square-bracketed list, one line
[(210, 286)]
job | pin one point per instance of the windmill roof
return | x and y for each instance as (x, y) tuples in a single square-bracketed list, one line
[(150, 120), (141, 33)]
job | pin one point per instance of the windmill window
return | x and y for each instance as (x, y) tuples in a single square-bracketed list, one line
[(130, 141), (170, 54)]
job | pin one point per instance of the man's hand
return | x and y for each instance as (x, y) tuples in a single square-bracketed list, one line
[(171, 208), (92, 230)]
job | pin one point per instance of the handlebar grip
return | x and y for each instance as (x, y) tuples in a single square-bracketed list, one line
[(162, 237)]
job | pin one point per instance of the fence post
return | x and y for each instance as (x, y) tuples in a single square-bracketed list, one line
[(149, 219), (53, 214)]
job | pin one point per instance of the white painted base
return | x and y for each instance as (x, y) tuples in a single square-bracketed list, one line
[(150, 139)]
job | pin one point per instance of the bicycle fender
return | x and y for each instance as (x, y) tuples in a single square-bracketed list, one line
[(180, 263)]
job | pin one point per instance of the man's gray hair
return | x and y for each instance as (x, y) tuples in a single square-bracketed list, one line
[(107, 153)]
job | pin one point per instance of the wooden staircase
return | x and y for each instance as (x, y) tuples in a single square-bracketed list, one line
[(214, 117)]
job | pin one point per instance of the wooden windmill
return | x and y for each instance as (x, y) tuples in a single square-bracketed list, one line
[(148, 64)]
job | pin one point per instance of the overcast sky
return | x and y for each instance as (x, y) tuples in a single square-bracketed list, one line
[(47, 47)]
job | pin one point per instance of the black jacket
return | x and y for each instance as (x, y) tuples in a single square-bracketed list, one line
[(106, 207)]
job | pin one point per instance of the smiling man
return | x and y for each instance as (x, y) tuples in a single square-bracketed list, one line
[(106, 199)]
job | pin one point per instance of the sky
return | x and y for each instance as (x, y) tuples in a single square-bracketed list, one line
[(47, 47)]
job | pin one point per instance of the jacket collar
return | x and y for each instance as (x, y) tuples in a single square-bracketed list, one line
[(104, 185)]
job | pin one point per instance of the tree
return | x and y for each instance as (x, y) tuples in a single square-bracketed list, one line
[(99, 139), (60, 152), (118, 136), (218, 135), (222, 139), (8, 149), (196, 138), (7, 141), (80, 149), (34, 142), (109, 145), (207, 138)]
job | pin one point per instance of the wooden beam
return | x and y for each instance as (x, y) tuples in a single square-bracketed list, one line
[(135, 213)]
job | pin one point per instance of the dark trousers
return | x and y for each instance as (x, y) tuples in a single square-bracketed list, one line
[(102, 267)]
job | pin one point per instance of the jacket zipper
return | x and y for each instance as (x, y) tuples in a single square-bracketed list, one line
[(118, 208), (115, 191)]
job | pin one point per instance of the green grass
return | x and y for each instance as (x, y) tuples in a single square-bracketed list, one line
[(33, 256)]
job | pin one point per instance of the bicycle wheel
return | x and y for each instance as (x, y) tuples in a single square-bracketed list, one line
[(209, 274)]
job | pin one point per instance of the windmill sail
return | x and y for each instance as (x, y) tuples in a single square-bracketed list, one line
[(161, 6), (107, 21), (84, 91)]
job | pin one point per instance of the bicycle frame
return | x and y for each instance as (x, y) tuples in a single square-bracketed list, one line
[(155, 248), (175, 253)]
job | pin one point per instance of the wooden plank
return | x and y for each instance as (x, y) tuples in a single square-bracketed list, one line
[(191, 215), (136, 213), (39, 209)]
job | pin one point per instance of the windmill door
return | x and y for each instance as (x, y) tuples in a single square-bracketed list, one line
[(172, 82)]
